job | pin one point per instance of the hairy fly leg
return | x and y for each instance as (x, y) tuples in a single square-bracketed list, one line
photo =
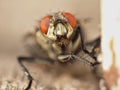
[(70, 57), (25, 70), (85, 50), (21, 59)]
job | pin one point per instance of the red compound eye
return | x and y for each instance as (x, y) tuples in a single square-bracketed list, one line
[(71, 19), (44, 24)]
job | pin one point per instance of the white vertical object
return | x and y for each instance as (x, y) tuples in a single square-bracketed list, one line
[(110, 20)]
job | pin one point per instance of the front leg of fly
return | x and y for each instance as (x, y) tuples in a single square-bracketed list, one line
[(65, 58)]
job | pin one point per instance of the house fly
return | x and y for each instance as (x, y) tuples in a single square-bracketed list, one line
[(60, 37)]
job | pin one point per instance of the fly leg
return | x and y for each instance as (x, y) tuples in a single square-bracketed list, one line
[(31, 59), (92, 55), (24, 69), (65, 58), (86, 51)]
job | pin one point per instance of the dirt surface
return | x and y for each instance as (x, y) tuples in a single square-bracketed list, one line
[(75, 76)]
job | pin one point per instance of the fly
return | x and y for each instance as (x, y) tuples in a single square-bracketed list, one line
[(60, 37)]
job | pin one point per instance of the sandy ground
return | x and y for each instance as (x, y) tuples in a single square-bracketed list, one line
[(76, 76), (18, 18)]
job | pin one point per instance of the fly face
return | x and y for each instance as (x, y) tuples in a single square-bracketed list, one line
[(59, 27)]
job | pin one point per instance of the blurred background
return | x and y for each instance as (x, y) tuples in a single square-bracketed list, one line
[(20, 16), (17, 17)]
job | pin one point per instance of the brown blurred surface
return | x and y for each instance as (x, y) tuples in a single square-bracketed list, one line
[(17, 17)]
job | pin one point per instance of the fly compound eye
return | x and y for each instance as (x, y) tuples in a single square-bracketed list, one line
[(44, 24), (71, 19)]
